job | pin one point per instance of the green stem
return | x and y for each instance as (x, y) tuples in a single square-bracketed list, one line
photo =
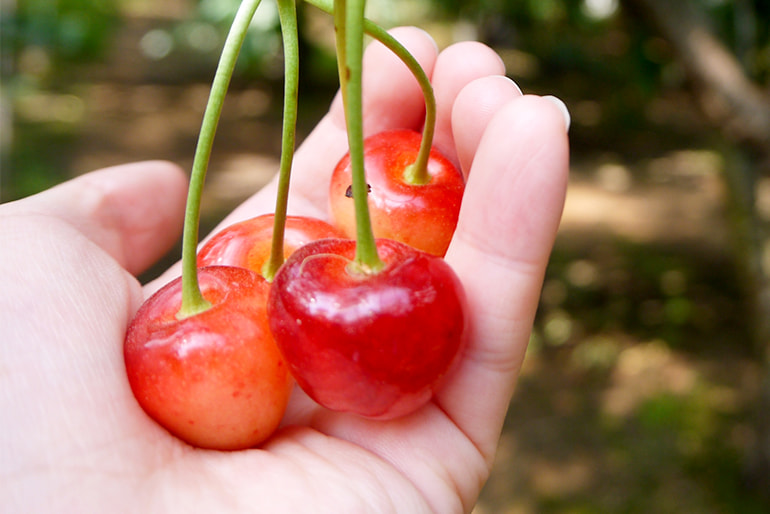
[(349, 25), (417, 172), (338, 15), (193, 301), (287, 12)]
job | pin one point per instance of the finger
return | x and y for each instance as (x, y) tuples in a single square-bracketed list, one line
[(392, 99), (508, 221), (475, 106), (455, 67), (134, 211)]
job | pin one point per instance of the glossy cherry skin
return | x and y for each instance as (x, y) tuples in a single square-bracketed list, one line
[(216, 379), (246, 244), (377, 345), (423, 216)]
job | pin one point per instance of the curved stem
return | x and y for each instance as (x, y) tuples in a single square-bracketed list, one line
[(417, 172), (193, 301), (349, 25), (287, 12)]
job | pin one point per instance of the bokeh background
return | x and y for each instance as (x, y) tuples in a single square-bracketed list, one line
[(645, 388)]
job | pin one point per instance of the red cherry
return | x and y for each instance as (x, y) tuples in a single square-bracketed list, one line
[(246, 244), (421, 215), (215, 379), (374, 344)]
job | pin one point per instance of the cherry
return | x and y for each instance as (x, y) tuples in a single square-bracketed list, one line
[(375, 344), (214, 379), (370, 326), (423, 215), (247, 244), (199, 354)]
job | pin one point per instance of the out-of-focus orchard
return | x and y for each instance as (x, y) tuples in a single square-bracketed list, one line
[(646, 386)]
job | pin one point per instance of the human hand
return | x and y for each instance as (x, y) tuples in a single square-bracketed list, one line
[(75, 439)]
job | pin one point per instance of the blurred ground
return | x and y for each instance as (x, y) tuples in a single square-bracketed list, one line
[(638, 385), (637, 389)]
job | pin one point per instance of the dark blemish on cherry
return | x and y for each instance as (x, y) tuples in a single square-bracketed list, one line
[(349, 190)]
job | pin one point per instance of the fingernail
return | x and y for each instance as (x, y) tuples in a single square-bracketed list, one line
[(513, 82), (562, 107)]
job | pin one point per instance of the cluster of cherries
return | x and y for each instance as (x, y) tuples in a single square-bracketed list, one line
[(362, 312)]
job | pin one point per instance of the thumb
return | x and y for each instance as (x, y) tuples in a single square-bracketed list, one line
[(134, 211)]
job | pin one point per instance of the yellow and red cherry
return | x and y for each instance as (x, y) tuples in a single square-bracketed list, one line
[(247, 244), (214, 379)]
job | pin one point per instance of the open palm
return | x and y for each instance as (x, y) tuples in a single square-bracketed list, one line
[(75, 440)]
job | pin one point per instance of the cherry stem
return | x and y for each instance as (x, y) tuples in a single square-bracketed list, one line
[(417, 172), (338, 15), (349, 27), (193, 301), (287, 12)]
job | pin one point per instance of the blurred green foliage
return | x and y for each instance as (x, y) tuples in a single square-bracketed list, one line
[(41, 40), (208, 27), (606, 50), (67, 29)]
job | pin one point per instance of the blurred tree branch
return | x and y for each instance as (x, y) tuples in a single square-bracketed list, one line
[(729, 98)]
